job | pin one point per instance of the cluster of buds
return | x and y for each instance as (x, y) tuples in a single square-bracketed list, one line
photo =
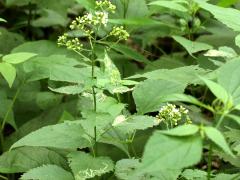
[(120, 33), (171, 115), (72, 44), (105, 6)]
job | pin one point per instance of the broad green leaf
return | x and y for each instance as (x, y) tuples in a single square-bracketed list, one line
[(173, 5), (192, 46), (44, 48), (164, 152), (111, 106), (125, 167), (84, 166), (17, 58), (230, 17), (217, 90), (50, 18), (12, 39), (68, 135), (149, 94), (129, 52), (47, 172), (185, 75), (135, 123), (132, 11), (25, 158), (8, 72), (237, 40), (226, 3), (223, 176), (185, 130), (234, 117), (194, 174), (2, 20), (228, 77), (88, 4), (47, 100), (217, 137)]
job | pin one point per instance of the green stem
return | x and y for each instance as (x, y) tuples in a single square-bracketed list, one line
[(219, 122), (6, 117), (3, 177), (209, 169)]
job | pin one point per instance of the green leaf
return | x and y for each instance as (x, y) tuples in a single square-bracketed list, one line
[(192, 46), (25, 158), (149, 94), (217, 137), (230, 17), (125, 167), (8, 72), (17, 58), (222, 176), (135, 123), (234, 117), (47, 172), (88, 4), (164, 152), (226, 3), (84, 166), (185, 130), (50, 18), (217, 90), (194, 174), (173, 5), (237, 40), (129, 52), (228, 77), (68, 135)]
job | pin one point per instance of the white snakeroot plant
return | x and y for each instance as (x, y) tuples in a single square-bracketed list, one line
[(90, 24)]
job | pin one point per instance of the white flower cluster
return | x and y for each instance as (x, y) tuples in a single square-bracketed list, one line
[(120, 33), (90, 23), (171, 115)]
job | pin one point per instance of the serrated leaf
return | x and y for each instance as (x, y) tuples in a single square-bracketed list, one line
[(125, 167), (192, 46), (237, 40), (230, 17), (68, 135), (8, 72), (25, 158), (173, 5), (194, 174), (16, 58), (217, 137), (136, 123), (47, 172), (164, 152), (184, 130), (84, 166), (228, 77), (149, 94), (217, 90)]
